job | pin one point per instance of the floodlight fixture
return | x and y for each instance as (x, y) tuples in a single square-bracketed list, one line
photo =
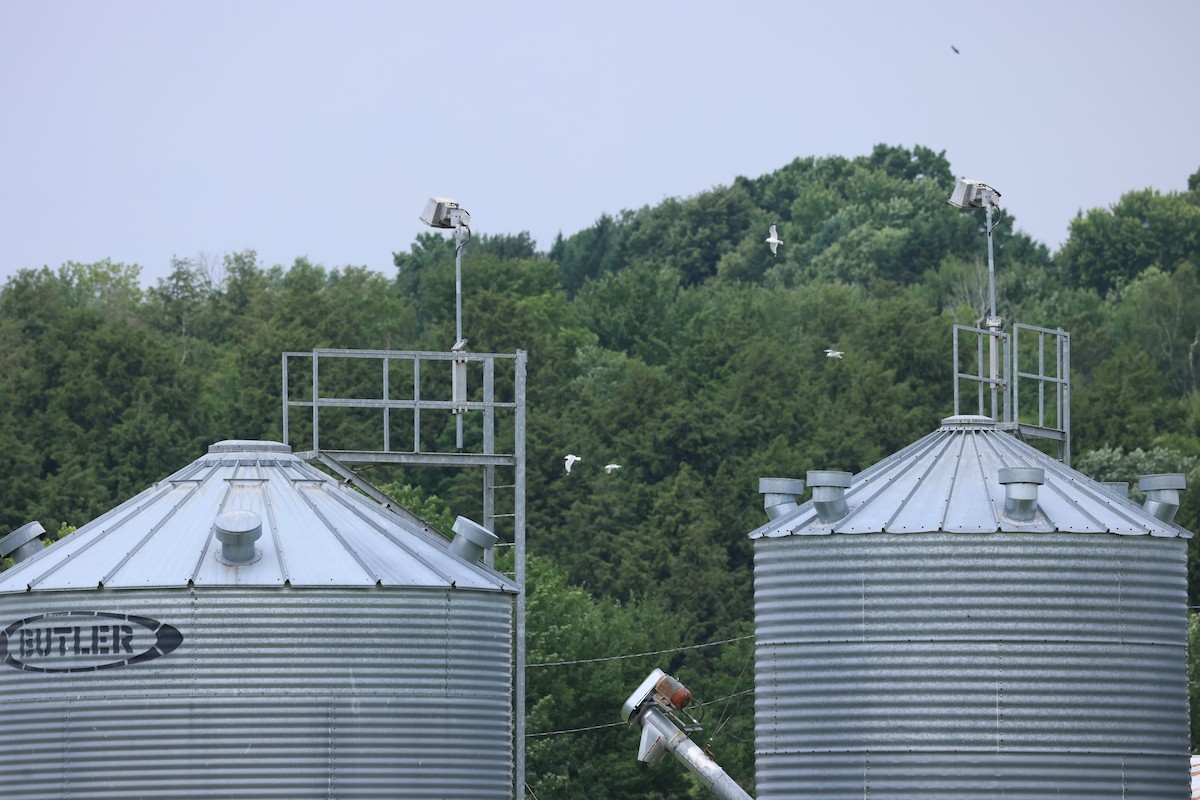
[(973, 194), (442, 212)]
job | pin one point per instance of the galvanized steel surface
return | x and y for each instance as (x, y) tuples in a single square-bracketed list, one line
[(272, 693), (1005, 665), (949, 481), (316, 532)]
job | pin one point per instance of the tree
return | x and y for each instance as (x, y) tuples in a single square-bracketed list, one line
[(1161, 312), (579, 652), (1108, 248)]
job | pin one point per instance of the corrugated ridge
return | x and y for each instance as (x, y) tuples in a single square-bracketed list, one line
[(1033, 661), (278, 694), (307, 747), (1011, 776)]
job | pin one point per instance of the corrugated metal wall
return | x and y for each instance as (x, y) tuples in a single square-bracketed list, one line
[(971, 666), (285, 694)]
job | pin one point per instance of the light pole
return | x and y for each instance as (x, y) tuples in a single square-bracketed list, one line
[(442, 212), (973, 194)]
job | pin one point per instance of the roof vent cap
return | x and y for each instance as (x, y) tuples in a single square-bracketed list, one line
[(829, 493), (1021, 491), (1162, 493), (23, 542), (779, 495), (249, 446), (237, 531), (969, 422), (472, 541)]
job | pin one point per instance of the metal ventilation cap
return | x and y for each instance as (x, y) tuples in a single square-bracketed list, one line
[(1021, 491), (237, 531), (1162, 493), (472, 541), (968, 421), (779, 495), (829, 493), (248, 446), (23, 542)]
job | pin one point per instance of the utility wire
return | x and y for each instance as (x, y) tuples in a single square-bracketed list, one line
[(620, 724), (575, 730), (725, 711), (639, 655)]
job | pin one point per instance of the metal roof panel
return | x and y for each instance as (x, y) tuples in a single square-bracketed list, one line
[(949, 481), (316, 531)]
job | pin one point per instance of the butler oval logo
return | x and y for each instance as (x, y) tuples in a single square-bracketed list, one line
[(85, 641)]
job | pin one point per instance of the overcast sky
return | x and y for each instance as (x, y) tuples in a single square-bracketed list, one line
[(139, 131)]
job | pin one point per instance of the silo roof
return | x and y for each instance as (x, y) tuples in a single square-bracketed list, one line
[(949, 481), (315, 532)]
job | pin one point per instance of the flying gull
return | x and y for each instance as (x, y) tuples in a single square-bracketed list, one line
[(611, 468), (831, 353), (774, 240), (570, 460)]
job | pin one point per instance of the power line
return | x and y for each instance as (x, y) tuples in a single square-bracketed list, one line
[(639, 655), (575, 730), (619, 724), (726, 697)]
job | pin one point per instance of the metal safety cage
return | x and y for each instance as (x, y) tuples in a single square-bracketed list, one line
[(1035, 361)]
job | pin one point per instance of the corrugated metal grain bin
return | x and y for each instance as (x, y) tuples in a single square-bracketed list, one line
[(250, 627), (969, 618)]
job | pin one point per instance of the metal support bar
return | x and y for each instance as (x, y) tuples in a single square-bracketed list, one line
[(315, 393), (413, 459), (519, 559), (416, 405), (387, 421), (489, 447), (366, 488), (284, 395)]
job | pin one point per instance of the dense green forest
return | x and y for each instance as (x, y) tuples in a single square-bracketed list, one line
[(667, 339)]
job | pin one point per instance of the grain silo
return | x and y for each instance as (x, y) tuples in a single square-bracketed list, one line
[(251, 627), (970, 618)]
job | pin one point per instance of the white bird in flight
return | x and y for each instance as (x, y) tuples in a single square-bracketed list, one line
[(611, 468), (458, 346), (570, 460), (774, 240), (831, 353)]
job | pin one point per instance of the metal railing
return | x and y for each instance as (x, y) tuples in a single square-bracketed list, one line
[(1058, 382), (1004, 380), (984, 376)]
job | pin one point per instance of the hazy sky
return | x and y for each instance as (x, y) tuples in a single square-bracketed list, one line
[(139, 131)]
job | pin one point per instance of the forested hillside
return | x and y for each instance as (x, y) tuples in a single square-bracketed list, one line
[(666, 338)]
